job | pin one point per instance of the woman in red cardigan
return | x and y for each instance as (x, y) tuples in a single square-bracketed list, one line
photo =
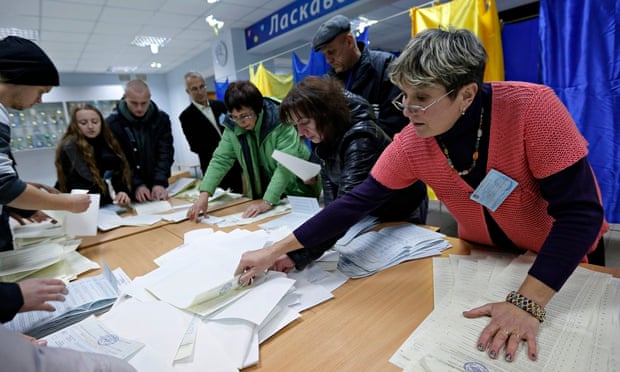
[(505, 158)]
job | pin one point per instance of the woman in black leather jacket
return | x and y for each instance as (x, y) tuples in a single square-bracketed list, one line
[(87, 153), (347, 142)]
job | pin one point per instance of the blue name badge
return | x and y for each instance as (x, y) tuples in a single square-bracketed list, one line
[(493, 189)]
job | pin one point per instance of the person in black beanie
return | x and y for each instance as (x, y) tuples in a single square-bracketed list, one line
[(26, 73)]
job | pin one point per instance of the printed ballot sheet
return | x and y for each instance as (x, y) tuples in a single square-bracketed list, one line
[(579, 334), (301, 168)]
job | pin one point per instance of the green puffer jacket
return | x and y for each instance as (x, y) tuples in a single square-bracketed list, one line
[(271, 180)]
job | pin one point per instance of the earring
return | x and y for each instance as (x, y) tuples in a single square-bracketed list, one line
[(463, 113)]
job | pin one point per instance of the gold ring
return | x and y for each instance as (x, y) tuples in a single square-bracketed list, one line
[(507, 332)]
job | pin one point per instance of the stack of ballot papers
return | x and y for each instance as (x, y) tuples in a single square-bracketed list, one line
[(372, 251), (190, 314), (86, 297), (580, 333), (43, 250)]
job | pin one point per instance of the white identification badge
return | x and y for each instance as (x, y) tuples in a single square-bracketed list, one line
[(493, 189)]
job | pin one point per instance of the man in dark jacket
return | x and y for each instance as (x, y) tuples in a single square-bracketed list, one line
[(145, 134), (202, 128), (361, 70)]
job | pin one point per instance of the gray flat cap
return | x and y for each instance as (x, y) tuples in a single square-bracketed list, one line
[(329, 30)]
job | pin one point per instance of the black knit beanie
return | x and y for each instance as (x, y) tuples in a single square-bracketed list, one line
[(22, 62)]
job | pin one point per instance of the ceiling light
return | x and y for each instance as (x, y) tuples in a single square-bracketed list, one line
[(124, 69), (153, 42), (213, 1), (24, 33), (214, 23), (155, 65)]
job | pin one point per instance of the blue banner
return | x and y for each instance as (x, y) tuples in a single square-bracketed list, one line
[(290, 17)]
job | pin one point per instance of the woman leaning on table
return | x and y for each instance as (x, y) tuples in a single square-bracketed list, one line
[(252, 131), (464, 133), (86, 152), (347, 142)]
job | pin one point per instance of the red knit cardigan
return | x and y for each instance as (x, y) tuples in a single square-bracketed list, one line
[(532, 137)]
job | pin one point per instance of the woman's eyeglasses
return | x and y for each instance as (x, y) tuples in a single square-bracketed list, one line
[(398, 103), (241, 118)]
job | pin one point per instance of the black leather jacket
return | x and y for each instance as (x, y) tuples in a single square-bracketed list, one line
[(347, 160)]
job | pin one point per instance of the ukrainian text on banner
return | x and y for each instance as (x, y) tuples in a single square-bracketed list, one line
[(478, 16), (290, 17)]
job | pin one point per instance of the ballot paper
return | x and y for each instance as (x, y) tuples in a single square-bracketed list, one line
[(580, 332), (301, 168), (91, 335), (151, 207), (85, 223), (87, 296), (302, 208), (373, 251)]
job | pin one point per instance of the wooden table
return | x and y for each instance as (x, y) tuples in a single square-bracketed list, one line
[(358, 330), (123, 231)]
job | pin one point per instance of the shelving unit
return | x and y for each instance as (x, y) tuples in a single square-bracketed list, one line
[(43, 125)]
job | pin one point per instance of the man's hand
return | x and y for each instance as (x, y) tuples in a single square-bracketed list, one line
[(36, 292), (77, 203), (159, 193), (143, 194)]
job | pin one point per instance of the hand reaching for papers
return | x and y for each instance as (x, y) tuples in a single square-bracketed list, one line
[(283, 264), (200, 206), (38, 291), (509, 326), (255, 262), (256, 209), (77, 203)]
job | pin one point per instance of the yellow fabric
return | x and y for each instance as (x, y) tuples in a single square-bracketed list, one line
[(478, 16), (270, 84), (431, 194)]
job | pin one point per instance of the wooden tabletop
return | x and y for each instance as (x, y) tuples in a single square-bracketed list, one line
[(358, 330)]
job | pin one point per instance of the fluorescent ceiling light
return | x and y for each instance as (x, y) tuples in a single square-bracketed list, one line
[(153, 42), (12, 31), (122, 69)]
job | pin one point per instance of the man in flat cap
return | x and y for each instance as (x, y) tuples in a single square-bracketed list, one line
[(361, 70), (26, 73)]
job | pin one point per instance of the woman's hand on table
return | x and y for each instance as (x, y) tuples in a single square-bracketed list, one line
[(256, 209), (283, 264), (200, 206), (509, 326)]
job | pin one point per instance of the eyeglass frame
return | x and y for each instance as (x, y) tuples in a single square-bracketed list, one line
[(397, 102), (242, 118)]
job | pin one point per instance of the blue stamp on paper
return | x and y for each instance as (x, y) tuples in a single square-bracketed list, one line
[(108, 339), (475, 367), (225, 288)]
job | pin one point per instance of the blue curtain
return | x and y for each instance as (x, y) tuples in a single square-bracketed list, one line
[(220, 89), (521, 60), (316, 66), (580, 60)]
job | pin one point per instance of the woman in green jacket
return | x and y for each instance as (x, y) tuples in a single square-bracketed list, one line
[(252, 132)]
